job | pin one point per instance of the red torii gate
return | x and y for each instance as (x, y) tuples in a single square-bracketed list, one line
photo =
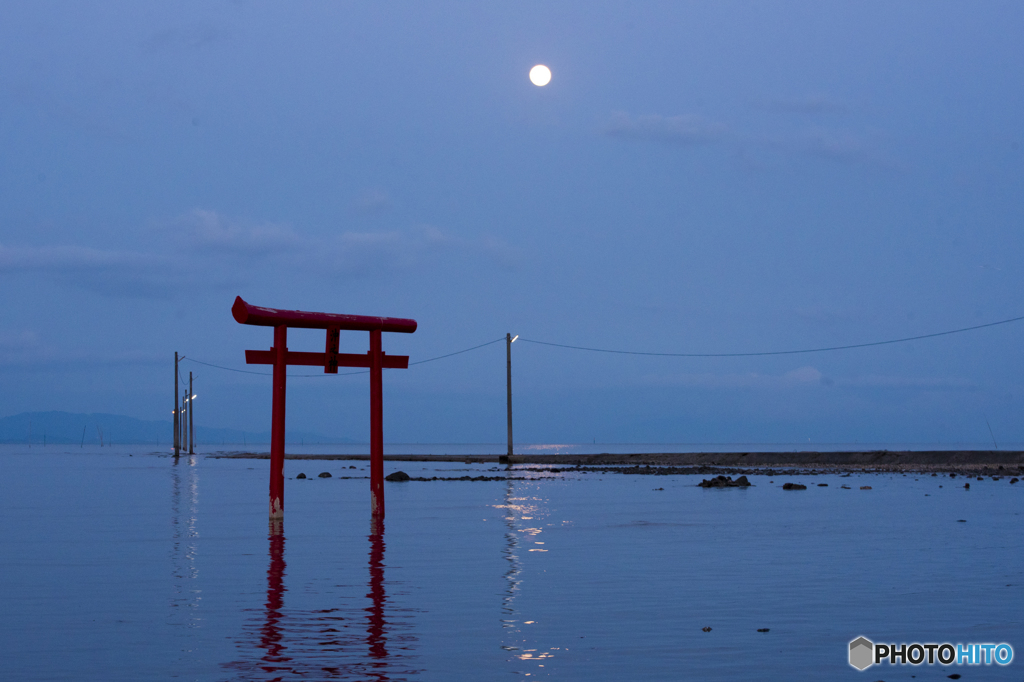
[(280, 357)]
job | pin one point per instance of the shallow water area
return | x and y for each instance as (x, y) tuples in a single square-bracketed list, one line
[(121, 563)]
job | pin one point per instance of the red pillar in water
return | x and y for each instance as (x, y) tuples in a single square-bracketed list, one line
[(277, 423), (376, 427)]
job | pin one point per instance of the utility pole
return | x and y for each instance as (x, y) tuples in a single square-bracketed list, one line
[(191, 430), (184, 424), (508, 385), (177, 441)]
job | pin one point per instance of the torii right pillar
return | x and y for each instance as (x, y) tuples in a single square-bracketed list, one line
[(280, 357)]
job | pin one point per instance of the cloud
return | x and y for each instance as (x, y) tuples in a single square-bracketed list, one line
[(63, 258), (834, 145), (26, 349), (808, 104), (373, 201), (881, 381), (192, 36), (206, 249), (105, 271), (209, 231), (686, 130), (801, 377), (824, 143), (808, 377)]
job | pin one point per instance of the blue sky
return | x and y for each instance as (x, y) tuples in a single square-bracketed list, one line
[(698, 177)]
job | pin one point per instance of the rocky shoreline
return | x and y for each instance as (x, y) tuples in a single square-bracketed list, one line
[(966, 462)]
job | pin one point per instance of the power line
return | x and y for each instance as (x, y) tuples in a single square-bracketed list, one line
[(441, 357), (268, 374), (779, 352), (342, 374), (629, 352)]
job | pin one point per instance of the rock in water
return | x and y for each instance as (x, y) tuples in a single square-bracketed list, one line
[(724, 482), (397, 476), (325, 474), (794, 486), (301, 476)]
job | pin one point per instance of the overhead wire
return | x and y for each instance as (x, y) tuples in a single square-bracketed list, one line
[(341, 374), (778, 352), (648, 353)]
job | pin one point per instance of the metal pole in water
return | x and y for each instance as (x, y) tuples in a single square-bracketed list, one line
[(191, 425), (177, 442)]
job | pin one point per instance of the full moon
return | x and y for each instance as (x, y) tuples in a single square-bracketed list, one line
[(540, 75)]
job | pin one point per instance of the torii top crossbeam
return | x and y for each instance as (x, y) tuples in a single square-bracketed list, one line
[(246, 313), (280, 357)]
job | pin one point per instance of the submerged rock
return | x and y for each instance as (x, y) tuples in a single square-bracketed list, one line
[(397, 476), (325, 474), (794, 486)]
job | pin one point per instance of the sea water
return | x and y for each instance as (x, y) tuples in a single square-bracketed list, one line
[(124, 564)]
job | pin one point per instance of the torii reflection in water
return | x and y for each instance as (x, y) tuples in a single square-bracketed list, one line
[(332, 643)]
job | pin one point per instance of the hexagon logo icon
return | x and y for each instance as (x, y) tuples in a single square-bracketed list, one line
[(862, 653)]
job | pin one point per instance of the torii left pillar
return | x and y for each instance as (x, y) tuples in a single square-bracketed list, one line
[(280, 357)]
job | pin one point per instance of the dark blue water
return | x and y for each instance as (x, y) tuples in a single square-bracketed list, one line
[(134, 567)]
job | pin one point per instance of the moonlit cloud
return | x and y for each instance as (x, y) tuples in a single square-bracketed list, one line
[(657, 128), (208, 230), (844, 146)]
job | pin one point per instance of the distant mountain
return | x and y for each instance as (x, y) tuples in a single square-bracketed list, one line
[(67, 427)]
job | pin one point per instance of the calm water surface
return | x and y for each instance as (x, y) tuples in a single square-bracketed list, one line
[(120, 564)]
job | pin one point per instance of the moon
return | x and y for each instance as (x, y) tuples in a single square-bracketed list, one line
[(540, 75)]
